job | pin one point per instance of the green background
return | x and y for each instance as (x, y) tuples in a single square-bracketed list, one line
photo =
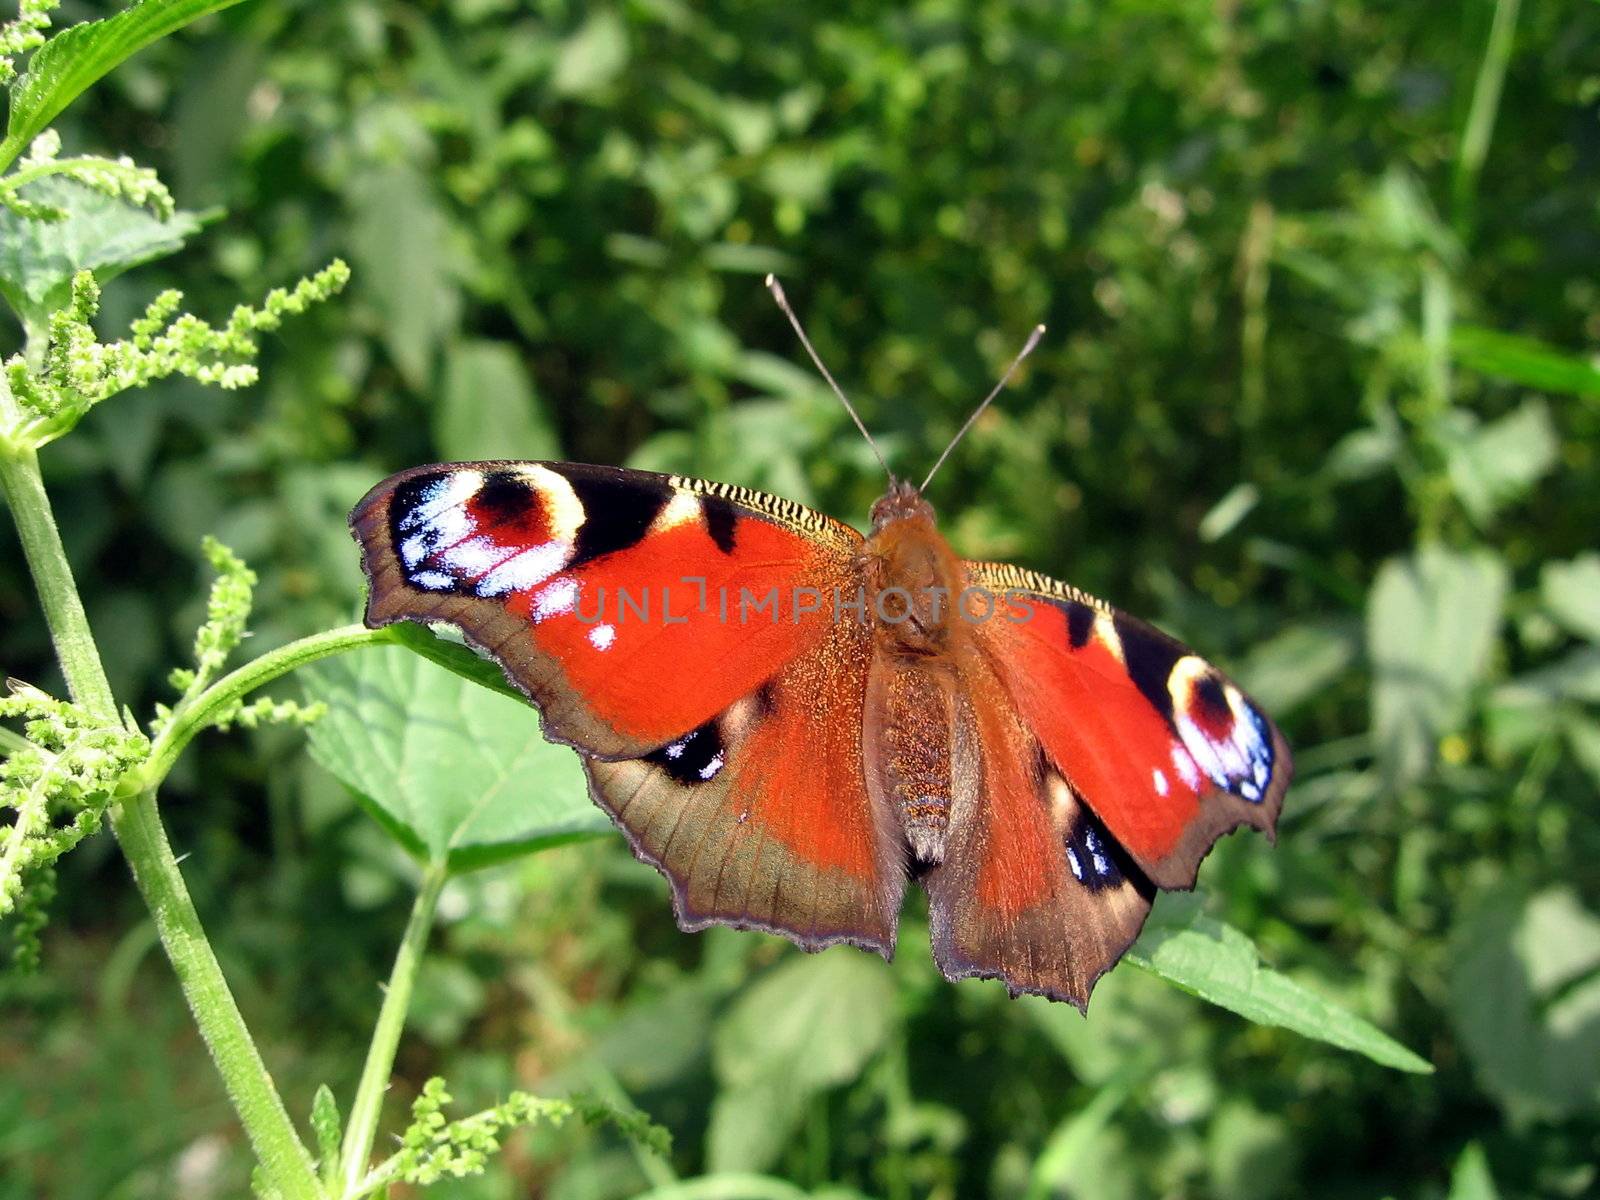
[(1318, 396)]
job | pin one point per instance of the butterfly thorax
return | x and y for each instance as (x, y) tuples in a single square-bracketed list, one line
[(913, 581)]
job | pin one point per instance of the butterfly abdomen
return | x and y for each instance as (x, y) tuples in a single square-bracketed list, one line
[(908, 748)]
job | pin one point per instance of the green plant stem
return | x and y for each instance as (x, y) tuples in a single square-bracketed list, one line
[(362, 1126), (1485, 106), (137, 826), (52, 577), (198, 712)]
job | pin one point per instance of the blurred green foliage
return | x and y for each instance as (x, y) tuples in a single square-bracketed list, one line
[(1319, 395)]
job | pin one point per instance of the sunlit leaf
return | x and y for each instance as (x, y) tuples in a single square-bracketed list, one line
[(1470, 1179), (1431, 621), (811, 1023), (70, 62), (1523, 360), (1219, 964), (456, 772), (404, 266), (1571, 591), (1298, 664), (489, 409), (1494, 464), (592, 57), (1525, 998)]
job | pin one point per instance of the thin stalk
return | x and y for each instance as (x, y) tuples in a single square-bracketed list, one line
[(197, 713), (362, 1127), (1485, 106), (52, 578), (137, 827)]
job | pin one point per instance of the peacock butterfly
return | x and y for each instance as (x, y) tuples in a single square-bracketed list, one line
[(790, 720)]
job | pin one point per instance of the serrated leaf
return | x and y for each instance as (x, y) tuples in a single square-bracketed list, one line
[(1525, 999), (1431, 622), (70, 62), (1219, 964), (1523, 360), (99, 233), (811, 1023), (1494, 464), (455, 772), (489, 409), (1571, 591)]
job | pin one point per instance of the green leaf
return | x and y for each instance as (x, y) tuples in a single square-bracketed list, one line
[(1227, 512), (1494, 464), (489, 409), (1298, 664), (326, 1126), (448, 651), (811, 1023), (592, 57), (99, 233), (1219, 964), (405, 265), (1523, 360), (455, 772), (1525, 999), (68, 64), (1470, 1179), (1431, 623), (1571, 591)]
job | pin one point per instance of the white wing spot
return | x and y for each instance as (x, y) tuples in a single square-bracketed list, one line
[(1186, 768), (601, 637), (712, 767), (556, 599), (1160, 781), (1072, 861)]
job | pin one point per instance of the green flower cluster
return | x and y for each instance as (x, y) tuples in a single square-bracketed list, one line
[(120, 178), (57, 785), (78, 371), (23, 34)]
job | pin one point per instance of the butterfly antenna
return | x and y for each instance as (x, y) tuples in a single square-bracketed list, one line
[(776, 289), (1027, 349)]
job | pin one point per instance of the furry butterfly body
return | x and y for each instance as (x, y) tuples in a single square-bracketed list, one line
[(792, 721)]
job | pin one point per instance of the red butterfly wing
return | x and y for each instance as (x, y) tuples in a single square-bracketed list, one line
[(1167, 752), (611, 597), (658, 624)]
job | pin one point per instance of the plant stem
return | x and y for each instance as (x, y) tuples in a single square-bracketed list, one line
[(363, 1124), (197, 713), (137, 826), (278, 1148), (1479, 127), (52, 577)]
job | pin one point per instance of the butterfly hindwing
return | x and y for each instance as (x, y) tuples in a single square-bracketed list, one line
[(631, 607), (1032, 890), (1166, 751), (760, 818)]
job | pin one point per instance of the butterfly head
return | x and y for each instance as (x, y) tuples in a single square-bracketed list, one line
[(903, 501)]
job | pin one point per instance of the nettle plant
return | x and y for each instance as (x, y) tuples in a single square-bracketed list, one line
[(440, 749)]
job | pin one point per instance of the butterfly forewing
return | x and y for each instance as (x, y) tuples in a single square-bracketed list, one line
[(611, 597)]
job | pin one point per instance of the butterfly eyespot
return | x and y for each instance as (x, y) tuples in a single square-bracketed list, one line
[(692, 760)]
